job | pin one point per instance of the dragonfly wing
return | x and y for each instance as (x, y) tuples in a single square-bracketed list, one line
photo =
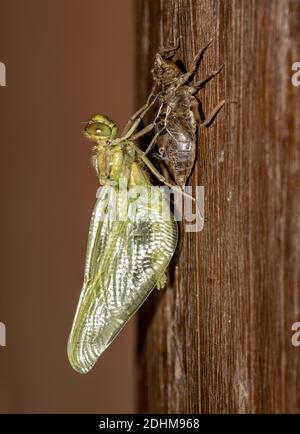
[(125, 259)]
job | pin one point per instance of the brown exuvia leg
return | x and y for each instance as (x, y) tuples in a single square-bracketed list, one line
[(194, 66), (200, 83), (213, 113), (164, 52)]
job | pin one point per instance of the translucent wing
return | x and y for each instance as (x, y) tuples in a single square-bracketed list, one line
[(125, 258)]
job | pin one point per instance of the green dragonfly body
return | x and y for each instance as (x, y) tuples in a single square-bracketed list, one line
[(132, 238)]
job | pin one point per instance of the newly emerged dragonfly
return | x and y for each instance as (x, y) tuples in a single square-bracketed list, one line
[(132, 238), (178, 115)]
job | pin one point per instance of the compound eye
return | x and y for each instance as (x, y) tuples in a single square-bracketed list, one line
[(98, 129)]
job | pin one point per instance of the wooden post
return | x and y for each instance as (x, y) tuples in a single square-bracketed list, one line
[(219, 338)]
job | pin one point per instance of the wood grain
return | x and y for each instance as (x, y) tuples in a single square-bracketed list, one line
[(218, 339)]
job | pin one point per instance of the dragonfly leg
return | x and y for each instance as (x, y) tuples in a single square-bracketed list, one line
[(133, 118), (158, 175), (211, 116), (148, 129), (162, 179), (136, 122), (138, 115), (142, 132), (153, 140)]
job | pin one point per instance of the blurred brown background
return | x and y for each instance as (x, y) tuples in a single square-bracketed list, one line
[(65, 60)]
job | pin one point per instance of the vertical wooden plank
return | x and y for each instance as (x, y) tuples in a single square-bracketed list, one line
[(219, 338)]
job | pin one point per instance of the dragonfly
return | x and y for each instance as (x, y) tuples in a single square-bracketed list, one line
[(178, 116), (132, 238)]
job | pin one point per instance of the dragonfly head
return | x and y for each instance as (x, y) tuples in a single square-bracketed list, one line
[(100, 128)]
